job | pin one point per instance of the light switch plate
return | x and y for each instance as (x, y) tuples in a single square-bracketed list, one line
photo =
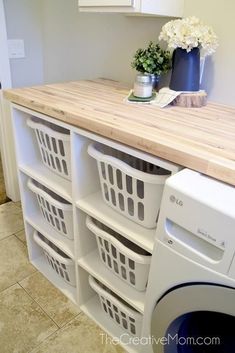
[(16, 48)]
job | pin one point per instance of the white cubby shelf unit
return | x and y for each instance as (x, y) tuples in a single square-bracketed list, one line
[(83, 198)]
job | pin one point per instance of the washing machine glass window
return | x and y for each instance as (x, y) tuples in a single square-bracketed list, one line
[(195, 318), (202, 331)]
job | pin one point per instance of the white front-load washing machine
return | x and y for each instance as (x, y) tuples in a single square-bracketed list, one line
[(190, 300)]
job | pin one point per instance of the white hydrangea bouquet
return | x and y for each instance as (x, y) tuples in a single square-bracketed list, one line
[(189, 33)]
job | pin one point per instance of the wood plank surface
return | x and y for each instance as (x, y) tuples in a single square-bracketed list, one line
[(202, 139)]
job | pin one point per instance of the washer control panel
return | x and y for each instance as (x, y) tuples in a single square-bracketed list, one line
[(197, 219)]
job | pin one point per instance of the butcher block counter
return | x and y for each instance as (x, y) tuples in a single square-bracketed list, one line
[(202, 139)]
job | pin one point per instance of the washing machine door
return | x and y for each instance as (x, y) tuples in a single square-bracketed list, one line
[(195, 318)]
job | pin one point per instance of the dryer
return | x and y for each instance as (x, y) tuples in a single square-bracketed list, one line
[(190, 300)]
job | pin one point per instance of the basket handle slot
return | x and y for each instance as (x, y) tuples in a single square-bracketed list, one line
[(58, 132), (65, 260), (35, 189), (119, 164), (114, 299), (141, 259)]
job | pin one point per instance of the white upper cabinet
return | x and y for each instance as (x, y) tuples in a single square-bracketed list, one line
[(91, 3), (169, 8)]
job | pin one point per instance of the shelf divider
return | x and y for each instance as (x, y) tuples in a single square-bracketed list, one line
[(92, 264), (95, 207), (92, 308), (38, 223), (45, 176)]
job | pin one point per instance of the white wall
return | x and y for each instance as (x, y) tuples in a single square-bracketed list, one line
[(219, 75), (5, 74), (73, 45), (80, 45), (23, 20)]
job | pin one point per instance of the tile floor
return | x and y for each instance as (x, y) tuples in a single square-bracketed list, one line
[(34, 316), (3, 196)]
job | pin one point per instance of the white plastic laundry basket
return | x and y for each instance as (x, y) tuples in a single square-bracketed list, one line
[(130, 185), (117, 309), (57, 260), (55, 210), (124, 258), (54, 146)]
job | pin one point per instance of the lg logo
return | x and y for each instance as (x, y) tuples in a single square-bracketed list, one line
[(178, 202)]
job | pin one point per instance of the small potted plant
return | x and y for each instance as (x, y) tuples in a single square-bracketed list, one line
[(188, 37), (152, 60)]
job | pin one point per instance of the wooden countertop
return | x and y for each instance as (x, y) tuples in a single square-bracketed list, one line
[(202, 139)]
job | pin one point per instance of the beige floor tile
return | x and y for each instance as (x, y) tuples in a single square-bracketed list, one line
[(21, 236), (14, 264), (23, 324), (81, 335), (3, 196), (53, 302), (18, 204), (11, 220)]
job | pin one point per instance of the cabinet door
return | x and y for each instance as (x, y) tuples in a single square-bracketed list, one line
[(166, 8), (90, 3)]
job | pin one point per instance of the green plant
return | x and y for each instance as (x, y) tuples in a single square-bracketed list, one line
[(152, 60)]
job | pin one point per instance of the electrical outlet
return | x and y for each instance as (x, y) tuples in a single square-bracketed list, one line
[(16, 48)]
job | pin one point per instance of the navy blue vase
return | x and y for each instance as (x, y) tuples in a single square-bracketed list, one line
[(185, 74)]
